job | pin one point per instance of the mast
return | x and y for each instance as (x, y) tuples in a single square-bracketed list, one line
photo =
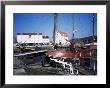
[(93, 28), (73, 25), (54, 32)]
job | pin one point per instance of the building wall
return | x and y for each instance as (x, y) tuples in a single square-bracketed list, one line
[(19, 38), (31, 39), (45, 40), (62, 39), (38, 39)]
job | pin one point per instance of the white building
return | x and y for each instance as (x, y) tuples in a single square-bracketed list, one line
[(61, 38), (45, 39), (32, 38)]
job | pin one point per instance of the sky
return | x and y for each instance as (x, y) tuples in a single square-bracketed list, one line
[(44, 23)]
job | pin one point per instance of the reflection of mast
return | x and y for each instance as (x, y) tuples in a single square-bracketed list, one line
[(54, 32)]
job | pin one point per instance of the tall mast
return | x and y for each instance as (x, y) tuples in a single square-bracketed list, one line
[(73, 25), (54, 32), (93, 28)]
